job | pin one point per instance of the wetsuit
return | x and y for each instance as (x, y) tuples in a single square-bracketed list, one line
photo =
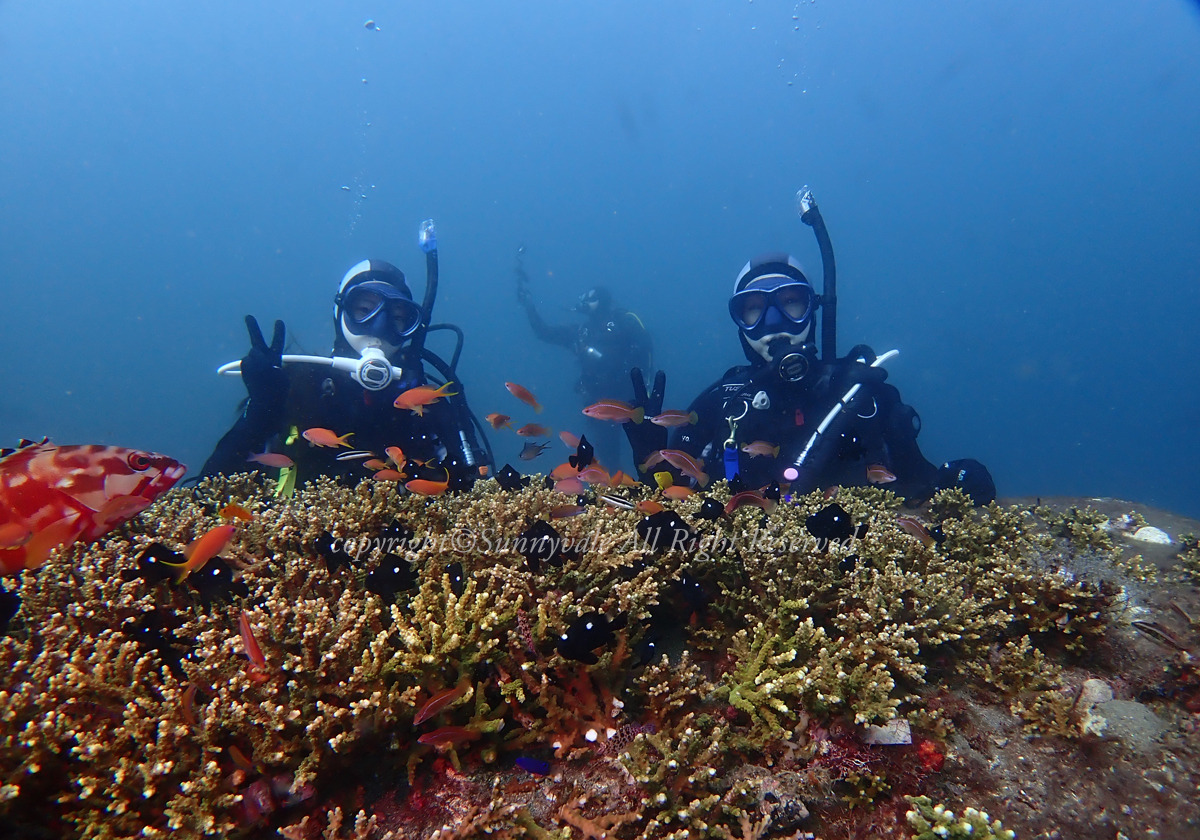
[(875, 428), (320, 397)]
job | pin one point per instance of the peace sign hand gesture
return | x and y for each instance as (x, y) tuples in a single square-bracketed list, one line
[(262, 367)]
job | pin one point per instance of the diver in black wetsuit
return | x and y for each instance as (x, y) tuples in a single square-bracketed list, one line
[(834, 420), (609, 344), (378, 354)]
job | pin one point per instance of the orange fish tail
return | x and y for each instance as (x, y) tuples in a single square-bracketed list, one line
[(638, 415)]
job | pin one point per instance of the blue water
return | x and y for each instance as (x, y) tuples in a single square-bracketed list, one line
[(1011, 189)]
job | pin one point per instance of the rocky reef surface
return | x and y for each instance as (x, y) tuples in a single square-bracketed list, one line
[(361, 663)]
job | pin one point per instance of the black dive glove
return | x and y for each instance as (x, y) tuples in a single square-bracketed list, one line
[(849, 371), (971, 477), (645, 437), (262, 371)]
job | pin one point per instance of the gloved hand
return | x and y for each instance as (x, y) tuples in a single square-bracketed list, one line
[(262, 371), (971, 477), (645, 437), (850, 371)]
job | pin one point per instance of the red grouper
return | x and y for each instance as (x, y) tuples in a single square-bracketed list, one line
[(52, 496)]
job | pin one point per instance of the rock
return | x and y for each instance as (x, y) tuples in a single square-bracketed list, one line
[(1094, 691), (891, 733), (1133, 724), (1151, 534)]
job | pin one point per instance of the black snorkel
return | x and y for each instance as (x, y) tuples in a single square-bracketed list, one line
[(810, 214), (427, 238)]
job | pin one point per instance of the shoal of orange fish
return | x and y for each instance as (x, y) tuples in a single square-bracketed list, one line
[(524, 395), (415, 399)]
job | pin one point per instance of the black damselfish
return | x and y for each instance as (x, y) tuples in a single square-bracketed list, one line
[(152, 634), (665, 529), (711, 509), (455, 572), (334, 557), (216, 581), (833, 523), (586, 633), (584, 454), (150, 566), (10, 602), (509, 479), (540, 544), (393, 574)]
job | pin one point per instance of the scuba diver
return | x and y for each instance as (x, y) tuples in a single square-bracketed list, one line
[(791, 416), (379, 353), (610, 343)]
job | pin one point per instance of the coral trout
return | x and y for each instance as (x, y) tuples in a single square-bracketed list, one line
[(52, 496)]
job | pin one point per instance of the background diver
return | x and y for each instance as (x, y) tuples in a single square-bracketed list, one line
[(378, 353), (834, 420), (609, 344)]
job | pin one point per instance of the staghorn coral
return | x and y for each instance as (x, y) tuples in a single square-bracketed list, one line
[(934, 822), (129, 732)]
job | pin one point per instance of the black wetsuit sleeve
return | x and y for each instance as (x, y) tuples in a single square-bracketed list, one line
[(915, 475), (248, 436), (561, 335)]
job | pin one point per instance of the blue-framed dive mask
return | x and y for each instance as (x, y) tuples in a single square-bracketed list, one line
[(379, 309), (778, 310)]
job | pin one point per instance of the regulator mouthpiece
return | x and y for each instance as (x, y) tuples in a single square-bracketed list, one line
[(374, 371)]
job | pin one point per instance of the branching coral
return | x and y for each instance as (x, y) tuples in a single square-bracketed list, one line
[(934, 822), (133, 708)]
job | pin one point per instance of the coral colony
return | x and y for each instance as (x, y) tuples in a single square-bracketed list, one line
[(470, 665)]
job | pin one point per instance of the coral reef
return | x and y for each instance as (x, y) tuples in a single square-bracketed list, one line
[(363, 651)]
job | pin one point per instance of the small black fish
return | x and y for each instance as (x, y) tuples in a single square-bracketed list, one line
[(334, 558), (665, 529), (850, 447), (393, 574), (586, 633), (846, 564), (10, 602), (150, 566), (540, 544), (215, 581), (509, 479), (152, 634), (396, 538), (584, 454), (693, 593), (531, 450), (832, 522), (711, 509), (455, 572), (939, 536), (773, 492), (736, 485)]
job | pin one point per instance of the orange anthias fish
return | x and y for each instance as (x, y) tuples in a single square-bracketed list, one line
[(396, 456), (324, 437), (595, 474), (236, 511), (916, 528), (749, 497), (572, 486), (569, 439), (620, 479), (425, 487), (51, 496), (448, 736), (761, 447), (439, 701), (676, 418), (686, 464), (649, 506), (615, 410), (654, 459), (276, 460), (257, 669), (415, 399), (534, 430), (388, 475), (524, 395), (564, 471), (375, 464), (879, 474), (499, 421), (202, 549), (677, 492)]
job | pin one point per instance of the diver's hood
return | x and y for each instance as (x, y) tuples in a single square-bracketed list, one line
[(775, 337), (349, 340)]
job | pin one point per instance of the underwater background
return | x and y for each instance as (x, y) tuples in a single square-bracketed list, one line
[(1011, 189)]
